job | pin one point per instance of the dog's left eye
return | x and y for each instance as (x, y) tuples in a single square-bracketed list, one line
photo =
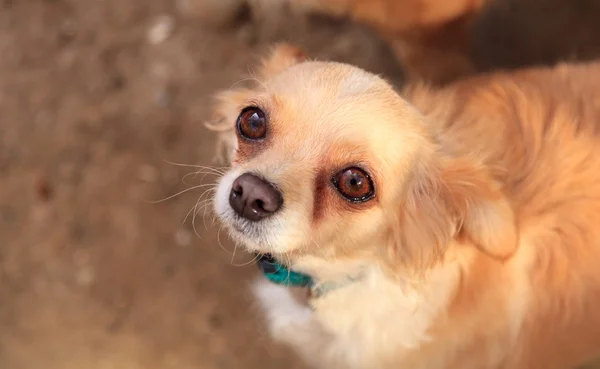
[(252, 124), (354, 184)]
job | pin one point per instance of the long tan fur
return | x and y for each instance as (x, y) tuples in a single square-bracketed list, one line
[(481, 248)]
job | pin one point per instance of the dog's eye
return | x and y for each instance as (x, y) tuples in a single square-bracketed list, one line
[(252, 123), (354, 184)]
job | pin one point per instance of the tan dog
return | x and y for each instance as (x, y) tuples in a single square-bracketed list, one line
[(454, 228), (429, 37), (440, 41)]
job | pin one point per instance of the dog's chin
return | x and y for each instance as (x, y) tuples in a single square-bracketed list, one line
[(248, 235)]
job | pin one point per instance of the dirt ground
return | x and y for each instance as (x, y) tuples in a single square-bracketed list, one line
[(95, 102)]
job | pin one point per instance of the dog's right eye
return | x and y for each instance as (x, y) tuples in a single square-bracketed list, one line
[(252, 124)]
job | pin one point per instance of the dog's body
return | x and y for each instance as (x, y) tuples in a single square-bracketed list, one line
[(480, 246)]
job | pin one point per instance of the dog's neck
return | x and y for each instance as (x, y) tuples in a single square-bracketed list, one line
[(402, 308), (328, 276), (326, 271), (321, 288)]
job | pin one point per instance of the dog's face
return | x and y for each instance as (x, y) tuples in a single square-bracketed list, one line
[(331, 162), (321, 150)]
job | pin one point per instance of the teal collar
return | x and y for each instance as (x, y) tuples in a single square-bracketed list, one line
[(280, 274)]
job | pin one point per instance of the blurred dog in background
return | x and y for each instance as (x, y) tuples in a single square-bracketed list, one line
[(428, 37), (439, 41)]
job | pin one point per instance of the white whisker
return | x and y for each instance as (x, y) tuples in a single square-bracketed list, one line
[(181, 192)]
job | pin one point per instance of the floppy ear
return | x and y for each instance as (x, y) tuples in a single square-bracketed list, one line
[(485, 214), (457, 200), (426, 222)]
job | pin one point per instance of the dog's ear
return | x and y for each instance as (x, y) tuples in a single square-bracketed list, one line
[(486, 217), (281, 57), (456, 200), (425, 222)]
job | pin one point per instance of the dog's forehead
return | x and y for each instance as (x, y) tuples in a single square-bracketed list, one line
[(330, 97), (325, 80), (339, 113)]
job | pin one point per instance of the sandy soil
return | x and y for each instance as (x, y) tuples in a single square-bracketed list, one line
[(93, 107), (97, 99)]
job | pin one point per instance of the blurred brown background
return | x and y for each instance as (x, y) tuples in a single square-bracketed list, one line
[(96, 97)]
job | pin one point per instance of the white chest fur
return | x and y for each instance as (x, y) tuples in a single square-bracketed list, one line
[(361, 324)]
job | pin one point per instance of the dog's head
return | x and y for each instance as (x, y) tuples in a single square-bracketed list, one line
[(331, 163)]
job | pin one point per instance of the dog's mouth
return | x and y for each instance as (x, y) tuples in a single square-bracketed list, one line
[(252, 237), (244, 228), (238, 227)]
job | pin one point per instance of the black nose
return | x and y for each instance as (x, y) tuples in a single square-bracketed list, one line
[(253, 198)]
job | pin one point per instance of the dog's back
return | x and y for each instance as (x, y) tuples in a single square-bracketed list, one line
[(541, 130)]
